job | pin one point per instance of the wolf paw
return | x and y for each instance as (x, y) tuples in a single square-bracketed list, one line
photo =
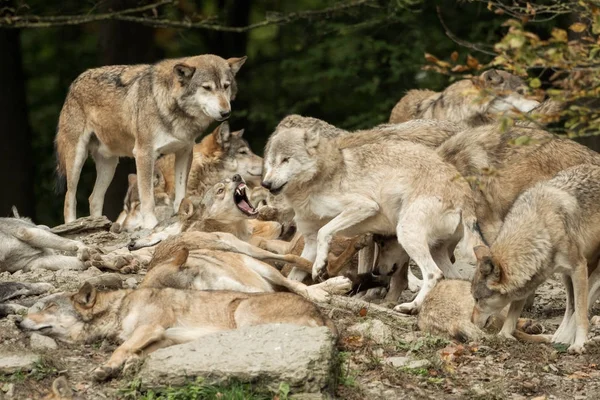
[(336, 285), (103, 373), (531, 327), (506, 335), (576, 349), (319, 271), (317, 294), (407, 308)]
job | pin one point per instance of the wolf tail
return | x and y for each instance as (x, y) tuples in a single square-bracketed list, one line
[(466, 332), (61, 170)]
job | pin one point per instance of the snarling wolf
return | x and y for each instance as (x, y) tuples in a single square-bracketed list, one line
[(473, 102), (447, 310), (552, 227), (219, 155), (362, 183), (147, 319), (25, 246), (140, 111)]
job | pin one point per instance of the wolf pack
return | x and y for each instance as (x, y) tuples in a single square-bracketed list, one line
[(444, 200)]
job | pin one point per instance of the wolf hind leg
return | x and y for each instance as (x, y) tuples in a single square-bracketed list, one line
[(57, 262), (105, 171), (73, 160)]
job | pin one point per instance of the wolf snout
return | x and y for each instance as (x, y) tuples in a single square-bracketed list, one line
[(266, 184), (132, 245), (236, 178), (225, 114)]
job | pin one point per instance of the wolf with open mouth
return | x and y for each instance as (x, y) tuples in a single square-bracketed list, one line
[(223, 208)]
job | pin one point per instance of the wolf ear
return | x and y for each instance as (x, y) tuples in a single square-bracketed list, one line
[(86, 297), (492, 77), (311, 138), (482, 252), (184, 73), (223, 135), (180, 257), (61, 389), (186, 208), (238, 134), (236, 63), (159, 178)]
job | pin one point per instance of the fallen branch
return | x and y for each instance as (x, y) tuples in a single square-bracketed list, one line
[(86, 224), (362, 308)]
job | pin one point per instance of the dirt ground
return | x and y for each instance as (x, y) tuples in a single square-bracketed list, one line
[(490, 369)]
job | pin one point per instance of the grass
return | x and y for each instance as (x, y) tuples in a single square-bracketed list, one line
[(198, 390), (41, 370), (345, 375)]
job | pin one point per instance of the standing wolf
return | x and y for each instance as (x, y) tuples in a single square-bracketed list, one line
[(363, 183), (140, 111), (552, 227)]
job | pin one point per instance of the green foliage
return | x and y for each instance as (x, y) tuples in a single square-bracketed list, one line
[(198, 390)]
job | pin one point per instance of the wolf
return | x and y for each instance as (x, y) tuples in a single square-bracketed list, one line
[(472, 102), (219, 155), (173, 265), (140, 111), (447, 310), (25, 246), (362, 183), (147, 319), (552, 227)]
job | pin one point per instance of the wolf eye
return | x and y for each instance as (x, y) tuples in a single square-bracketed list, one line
[(49, 306), (220, 191), (243, 151), (207, 87), (226, 85), (285, 159)]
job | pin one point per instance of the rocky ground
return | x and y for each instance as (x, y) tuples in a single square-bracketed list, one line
[(379, 355)]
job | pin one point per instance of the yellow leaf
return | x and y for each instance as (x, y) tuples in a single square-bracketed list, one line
[(559, 35), (459, 68), (431, 58), (535, 83), (578, 27), (454, 56)]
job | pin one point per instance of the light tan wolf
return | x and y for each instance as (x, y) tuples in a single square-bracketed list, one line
[(140, 111), (219, 155), (147, 319), (472, 102), (173, 265), (447, 310), (552, 227), (362, 183)]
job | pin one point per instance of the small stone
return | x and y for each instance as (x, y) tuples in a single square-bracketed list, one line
[(106, 281), (9, 390), (398, 362), (41, 342), (378, 353), (419, 364), (595, 320), (375, 330), (131, 283), (11, 363)]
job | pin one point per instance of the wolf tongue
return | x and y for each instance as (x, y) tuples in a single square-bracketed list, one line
[(243, 205)]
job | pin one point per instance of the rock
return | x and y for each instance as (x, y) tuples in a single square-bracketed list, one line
[(41, 342), (9, 390), (11, 363), (131, 283), (373, 329), (595, 320), (405, 362), (91, 272), (300, 356), (106, 281)]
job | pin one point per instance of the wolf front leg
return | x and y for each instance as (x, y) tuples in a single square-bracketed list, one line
[(360, 210), (580, 291), (510, 323), (183, 164), (144, 164), (142, 337)]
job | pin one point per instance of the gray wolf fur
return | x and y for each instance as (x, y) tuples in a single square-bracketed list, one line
[(147, 319), (219, 155), (473, 102), (552, 227), (362, 183), (25, 246), (140, 111)]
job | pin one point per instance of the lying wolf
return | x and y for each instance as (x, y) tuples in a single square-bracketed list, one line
[(25, 246), (140, 111), (552, 227), (472, 102), (219, 155), (363, 183), (146, 319)]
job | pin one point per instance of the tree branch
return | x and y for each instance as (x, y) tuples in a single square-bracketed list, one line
[(32, 21), (458, 41)]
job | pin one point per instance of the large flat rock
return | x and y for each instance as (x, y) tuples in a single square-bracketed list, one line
[(14, 362), (300, 356)]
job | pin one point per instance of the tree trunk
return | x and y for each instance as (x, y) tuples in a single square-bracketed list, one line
[(16, 155), (124, 43)]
